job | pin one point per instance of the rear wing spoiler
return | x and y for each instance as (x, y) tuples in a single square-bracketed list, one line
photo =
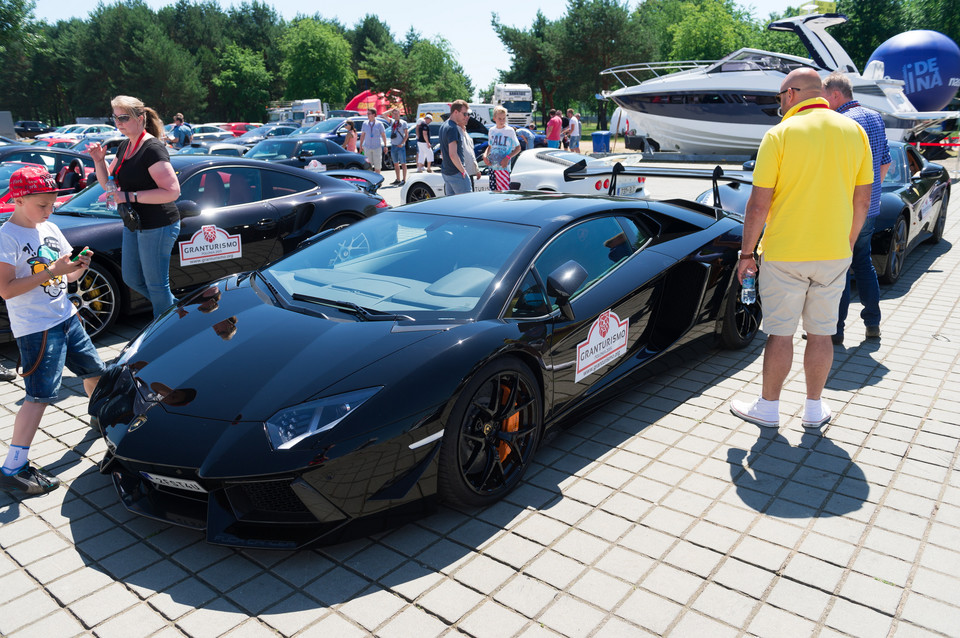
[(716, 175)]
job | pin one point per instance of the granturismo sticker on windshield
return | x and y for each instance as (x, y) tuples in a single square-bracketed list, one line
[(606, 341), (210, 243)]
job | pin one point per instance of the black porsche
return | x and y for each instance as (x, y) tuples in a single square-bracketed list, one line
[(422, 353), (237, 215)]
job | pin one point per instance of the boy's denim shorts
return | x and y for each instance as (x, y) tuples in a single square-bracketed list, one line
[(67, 344)]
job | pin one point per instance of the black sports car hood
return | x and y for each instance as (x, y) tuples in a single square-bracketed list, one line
[(232, 348)]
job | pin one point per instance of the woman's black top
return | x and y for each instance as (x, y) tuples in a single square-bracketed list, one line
[(134, 175)]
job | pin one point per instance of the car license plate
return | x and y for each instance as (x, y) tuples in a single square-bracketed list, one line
[(167, 481), (626, 190)]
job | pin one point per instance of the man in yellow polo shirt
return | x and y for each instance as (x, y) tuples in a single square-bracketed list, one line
[(811, 189)]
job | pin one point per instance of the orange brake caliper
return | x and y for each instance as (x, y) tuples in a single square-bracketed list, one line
[(511, 424)]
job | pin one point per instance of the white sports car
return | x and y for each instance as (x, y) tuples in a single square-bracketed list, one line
[(545, 169)]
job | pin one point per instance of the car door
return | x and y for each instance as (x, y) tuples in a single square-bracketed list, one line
[(235, 231), (607, 335), (921, 192)]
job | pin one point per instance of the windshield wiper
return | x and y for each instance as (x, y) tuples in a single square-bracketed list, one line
[(348, 306)]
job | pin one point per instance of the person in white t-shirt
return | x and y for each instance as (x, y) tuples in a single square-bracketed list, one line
[(573, 130), (503, 145), (35, 268)]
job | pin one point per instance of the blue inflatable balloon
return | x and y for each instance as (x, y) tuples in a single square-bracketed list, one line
[(929, 64)]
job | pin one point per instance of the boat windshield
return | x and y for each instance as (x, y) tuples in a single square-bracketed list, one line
[(756, 60)]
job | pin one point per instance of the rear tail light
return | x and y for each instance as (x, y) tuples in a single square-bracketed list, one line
[(383, 204), (598, 185)]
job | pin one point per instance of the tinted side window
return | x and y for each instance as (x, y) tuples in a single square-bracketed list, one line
[(597, 245), (530, 300), (281, 184), (316, 148), (34, 157)]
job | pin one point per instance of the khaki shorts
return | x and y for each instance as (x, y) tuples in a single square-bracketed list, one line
[(811, 289), (374, 156)]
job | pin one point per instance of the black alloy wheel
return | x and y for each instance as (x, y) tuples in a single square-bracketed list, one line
[(896, 253), (941, 219), (741, 321), (418, 193), (96, 297), (492, 434)]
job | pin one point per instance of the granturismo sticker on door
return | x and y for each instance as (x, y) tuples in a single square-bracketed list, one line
[(210, 243), (606, 341)]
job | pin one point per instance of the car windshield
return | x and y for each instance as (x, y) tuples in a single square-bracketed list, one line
[(403, 262), (272, 149), (257, 132), (327, 126), (193, 150), (90, 201)]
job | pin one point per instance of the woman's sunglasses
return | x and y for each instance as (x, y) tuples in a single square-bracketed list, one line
[(121, 118)]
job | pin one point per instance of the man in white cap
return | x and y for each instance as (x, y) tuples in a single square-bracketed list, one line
[(424, 150)]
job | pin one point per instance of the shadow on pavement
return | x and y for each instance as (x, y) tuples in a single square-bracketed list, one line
[(816, 478)]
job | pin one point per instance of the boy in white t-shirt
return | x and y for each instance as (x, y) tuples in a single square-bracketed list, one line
[(35, 268), (502, 146)]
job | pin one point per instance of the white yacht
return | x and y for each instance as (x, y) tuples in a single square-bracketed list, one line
[(725, 106)]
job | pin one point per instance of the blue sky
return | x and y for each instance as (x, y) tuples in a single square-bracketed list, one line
[(465, 25)]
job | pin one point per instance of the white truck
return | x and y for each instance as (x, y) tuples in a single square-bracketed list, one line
[(518, 100), (302, 111)]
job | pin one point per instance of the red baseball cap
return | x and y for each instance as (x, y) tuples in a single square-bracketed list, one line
[(31, 180)]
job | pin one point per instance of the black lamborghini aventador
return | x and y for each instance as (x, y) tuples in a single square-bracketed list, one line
[(420, 354)]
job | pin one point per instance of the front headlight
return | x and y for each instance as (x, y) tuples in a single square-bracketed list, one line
[(288, 427)]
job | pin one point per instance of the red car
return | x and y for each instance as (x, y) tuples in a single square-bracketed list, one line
[(68, 179), (239, 128)]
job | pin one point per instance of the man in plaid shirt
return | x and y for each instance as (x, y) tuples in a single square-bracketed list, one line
[(839, 93)]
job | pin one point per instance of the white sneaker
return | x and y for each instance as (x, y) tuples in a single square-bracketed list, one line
[(814, 420), (750, 413)]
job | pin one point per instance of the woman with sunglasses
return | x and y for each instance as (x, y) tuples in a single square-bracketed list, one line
[(145, 179)]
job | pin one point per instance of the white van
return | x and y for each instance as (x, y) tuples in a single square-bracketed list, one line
[(482, 113)]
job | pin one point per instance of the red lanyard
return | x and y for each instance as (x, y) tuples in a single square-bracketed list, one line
[(812, 106), (127, 153)]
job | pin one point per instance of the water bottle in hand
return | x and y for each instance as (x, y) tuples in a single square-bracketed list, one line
[(748, 294), (111, 193)]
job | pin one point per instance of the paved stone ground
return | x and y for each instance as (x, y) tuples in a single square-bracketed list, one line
[(660, 514)]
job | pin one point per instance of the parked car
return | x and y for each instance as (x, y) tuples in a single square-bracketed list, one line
[(237, 215), (913, 208), (419, 355), (210, 133), (253, 136), (53, 159), (77, 131), (55, 142), (227, 148), (335, 129), (239, 128), (312, 152), (31, 128), (68, 184), (544, 169)]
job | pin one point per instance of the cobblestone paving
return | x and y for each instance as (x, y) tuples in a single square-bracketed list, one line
[(660, 514)]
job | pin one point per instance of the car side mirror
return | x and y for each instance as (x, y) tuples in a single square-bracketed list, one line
[(563, 282), (749, 165), (931, 171), (188, 208)]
